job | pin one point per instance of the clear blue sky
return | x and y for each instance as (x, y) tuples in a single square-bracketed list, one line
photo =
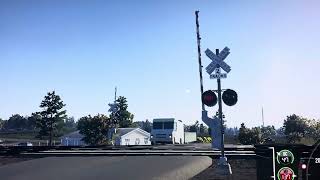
[(83, 49)]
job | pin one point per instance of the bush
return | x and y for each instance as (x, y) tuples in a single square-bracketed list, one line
[(204, 139)]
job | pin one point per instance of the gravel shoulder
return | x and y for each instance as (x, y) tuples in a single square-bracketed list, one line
[(242, 169)]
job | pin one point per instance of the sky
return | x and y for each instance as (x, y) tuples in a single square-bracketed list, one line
[(148, 49)]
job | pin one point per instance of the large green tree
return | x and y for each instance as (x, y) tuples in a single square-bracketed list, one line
[(295, 128), (52, 116), (122, 116), (95, 129)]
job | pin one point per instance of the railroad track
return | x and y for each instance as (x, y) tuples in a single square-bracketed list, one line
[(42, 151)]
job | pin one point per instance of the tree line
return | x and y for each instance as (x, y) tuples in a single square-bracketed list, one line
[(295, 129), (18, 123), (52, 121)]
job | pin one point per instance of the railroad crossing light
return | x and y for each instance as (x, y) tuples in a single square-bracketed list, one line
[(209, 98), (229, 97)]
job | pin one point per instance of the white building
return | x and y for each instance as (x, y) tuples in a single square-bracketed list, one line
[(190, 137), (131, 136), (72, 139)]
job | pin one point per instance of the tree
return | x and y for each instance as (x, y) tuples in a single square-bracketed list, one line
[(255, 135), (267, 132), (249, 136), (243, 134), (32, 121), (95, 129), (294, 128), (2, 123), (52, 116), (122, 116), (313, 129), (195, 127), (147, 126), (70, 123), (144, 125), (16, 122)]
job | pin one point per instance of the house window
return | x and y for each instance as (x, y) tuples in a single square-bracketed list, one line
[(146, 140), (127, 141), (137, 141)]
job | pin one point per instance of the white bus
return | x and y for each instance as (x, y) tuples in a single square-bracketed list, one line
[(167, 130)]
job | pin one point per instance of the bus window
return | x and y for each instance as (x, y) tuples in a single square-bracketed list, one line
[(157, 125), (168, 125)]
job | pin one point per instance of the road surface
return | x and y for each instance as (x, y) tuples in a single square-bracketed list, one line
[(120, 167)]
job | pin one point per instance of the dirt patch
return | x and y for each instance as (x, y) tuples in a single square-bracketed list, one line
[(242, 169)]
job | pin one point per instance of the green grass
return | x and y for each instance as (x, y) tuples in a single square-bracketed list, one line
[(18, 135)]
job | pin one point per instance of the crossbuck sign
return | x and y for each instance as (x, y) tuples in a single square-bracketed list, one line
[(217, 60)]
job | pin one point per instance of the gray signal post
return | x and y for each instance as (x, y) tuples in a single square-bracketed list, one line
[(217, 63), (220, 110)]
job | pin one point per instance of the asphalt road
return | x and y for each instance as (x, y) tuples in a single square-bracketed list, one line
[(113, 168)]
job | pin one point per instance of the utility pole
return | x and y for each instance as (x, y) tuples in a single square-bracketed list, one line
[(199, 56), (262, 117), (115, 94)]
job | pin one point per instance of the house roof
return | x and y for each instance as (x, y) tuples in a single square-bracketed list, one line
[(75, 134), (124, 131)]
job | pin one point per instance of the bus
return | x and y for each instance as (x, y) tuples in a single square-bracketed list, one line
[(167, 131)]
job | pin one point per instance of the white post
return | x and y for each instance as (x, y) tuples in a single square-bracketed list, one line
[(47, 143)]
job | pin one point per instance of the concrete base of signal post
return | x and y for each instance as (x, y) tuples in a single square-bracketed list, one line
[(223, 167)]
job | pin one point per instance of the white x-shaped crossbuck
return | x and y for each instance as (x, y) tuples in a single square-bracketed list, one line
[(217, 60)]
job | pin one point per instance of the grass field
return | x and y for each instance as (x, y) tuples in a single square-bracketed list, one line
[(17, 137)]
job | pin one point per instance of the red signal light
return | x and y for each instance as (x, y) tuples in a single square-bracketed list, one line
[(209, 98)]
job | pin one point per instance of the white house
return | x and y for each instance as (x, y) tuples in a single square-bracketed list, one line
[(72, 139), (131, 136)]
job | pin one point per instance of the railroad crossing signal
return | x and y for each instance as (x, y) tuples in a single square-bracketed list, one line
[(217, 60), (229, 97), (209, 98)]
